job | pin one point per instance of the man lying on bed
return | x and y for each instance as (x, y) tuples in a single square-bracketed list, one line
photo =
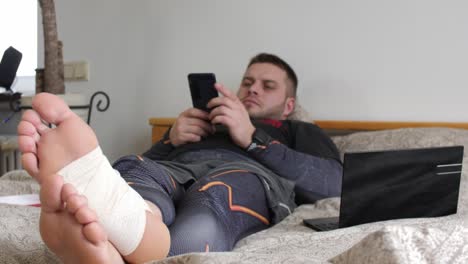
[(225, 185)]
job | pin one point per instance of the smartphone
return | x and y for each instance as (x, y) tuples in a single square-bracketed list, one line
[(202, 89)]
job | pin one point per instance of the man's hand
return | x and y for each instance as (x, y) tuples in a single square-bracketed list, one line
[(230, 111), (190, 126)]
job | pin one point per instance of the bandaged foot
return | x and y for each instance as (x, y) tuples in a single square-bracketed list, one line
[(70, 228), (120, 209), (71, 150)]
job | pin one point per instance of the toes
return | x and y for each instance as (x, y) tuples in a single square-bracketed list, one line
[(54, 115), (50, 194), (29, 162), (32, 117), (26, 128), (68, 190), (85, 215), (78, 205), (94, 233), (27, 144), (75, 202)]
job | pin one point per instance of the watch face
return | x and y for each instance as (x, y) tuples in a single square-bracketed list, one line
[(261, 137)]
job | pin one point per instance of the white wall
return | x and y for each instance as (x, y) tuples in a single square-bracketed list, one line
[(360, 59)]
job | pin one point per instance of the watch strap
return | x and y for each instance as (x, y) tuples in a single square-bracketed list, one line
[(259, 139)]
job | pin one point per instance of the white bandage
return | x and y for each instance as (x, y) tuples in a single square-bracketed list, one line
[(120, 209)]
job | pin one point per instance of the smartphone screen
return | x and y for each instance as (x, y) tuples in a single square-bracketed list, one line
[(202, 89)]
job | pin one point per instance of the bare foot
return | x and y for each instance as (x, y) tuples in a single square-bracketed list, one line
[(46, 151), (70, 228)]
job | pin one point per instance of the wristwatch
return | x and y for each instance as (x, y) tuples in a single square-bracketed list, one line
[(259, 138)]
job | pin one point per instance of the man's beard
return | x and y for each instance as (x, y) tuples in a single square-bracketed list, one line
[(276, 112)]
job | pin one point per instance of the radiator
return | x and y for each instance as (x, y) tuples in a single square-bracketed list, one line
[(10, 157)]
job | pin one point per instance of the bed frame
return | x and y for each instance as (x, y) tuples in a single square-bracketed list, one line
[(331, 127)]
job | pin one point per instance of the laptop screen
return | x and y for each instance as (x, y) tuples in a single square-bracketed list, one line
[(386, 185)]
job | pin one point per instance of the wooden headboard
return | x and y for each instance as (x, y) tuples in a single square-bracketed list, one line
[(331, 127)]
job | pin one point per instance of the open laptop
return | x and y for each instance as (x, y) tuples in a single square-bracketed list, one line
[(384, 185)]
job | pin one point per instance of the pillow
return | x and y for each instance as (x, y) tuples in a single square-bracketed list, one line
[(402, 138), (300, 113)]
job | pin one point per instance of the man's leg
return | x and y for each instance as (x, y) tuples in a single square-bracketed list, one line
[(153, 182), (217, 211), (47, 151)]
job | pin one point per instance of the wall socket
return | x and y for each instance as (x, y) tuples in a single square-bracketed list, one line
[(76, 71)]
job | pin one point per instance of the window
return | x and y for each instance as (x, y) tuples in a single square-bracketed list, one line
[(18, 27)]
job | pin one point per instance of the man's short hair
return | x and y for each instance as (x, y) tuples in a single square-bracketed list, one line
[(277, 61)]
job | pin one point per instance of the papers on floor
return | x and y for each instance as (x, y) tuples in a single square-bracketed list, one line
[(23, 199)]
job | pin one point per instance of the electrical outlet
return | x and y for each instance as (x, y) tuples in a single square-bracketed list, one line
[(76, 71)]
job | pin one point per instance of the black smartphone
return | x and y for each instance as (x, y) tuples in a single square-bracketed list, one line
[(202, 89)]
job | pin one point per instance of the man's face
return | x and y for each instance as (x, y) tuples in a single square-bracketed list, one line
[(263, 91)]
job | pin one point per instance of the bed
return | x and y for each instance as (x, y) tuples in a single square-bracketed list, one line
[(422, 240)]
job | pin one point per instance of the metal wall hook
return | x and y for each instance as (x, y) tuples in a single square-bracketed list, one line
[(98, 105), (15, 104)]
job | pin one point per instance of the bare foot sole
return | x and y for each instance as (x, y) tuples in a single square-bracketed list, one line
[(47, 150), (70, 228), (73, 230)]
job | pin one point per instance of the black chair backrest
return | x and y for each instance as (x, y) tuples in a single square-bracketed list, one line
[(9, 66)]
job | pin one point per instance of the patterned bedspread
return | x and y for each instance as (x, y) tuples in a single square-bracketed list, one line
[(423, 240)]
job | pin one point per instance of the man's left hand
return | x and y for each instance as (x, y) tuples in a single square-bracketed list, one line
[(229, 111)]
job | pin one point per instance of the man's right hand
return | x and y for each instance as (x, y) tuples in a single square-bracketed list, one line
[(190, 126)]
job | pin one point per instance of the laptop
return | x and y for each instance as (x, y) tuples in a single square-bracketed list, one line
[(385, 185)]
